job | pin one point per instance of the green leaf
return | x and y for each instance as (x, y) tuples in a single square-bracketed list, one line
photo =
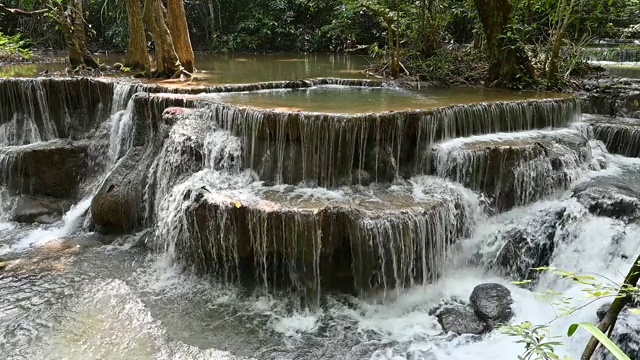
[(604, 340)]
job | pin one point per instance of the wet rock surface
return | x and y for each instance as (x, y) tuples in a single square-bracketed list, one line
[(54, 168), (461, 319), (169, 150), (612, 97), (356, 243), (529, 246), (117, 206), (492, 303), (39, 209), (616, 197), (51, 108), (626, 335)]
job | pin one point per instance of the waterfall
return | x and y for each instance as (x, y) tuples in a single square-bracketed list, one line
[(515, 169), (20, 163), (620, 135), (334, 150), (609, 54)]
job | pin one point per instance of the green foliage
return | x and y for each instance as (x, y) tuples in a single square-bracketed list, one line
[(14, 45), (539, 344), (604, 340)]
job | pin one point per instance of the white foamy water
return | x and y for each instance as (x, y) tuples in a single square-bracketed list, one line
[(70, 223)]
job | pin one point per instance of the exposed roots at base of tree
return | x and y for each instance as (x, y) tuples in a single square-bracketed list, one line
[(181, 73)]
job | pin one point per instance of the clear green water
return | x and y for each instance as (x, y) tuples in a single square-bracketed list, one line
[(352, 100), (237, 69)]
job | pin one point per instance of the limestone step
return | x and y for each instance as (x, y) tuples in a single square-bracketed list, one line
[(332, 150), (620, 135), (514, 169), (45, 109), (54, 168), (352, 238)]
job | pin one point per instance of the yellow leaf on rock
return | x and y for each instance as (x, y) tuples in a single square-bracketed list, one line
[(238, 204)]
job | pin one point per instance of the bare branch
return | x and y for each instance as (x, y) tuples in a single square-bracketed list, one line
[(20, 12)]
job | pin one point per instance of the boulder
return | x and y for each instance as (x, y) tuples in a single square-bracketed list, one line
[(616, 197), (117, 206), (492, 303), (529, 246), (142, 178), (53, 169), (39, 209), (461, 319)]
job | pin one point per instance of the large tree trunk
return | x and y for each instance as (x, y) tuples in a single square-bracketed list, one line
[(167, 63), (137, 55), (78, 34), (509, 62), (180, 33)]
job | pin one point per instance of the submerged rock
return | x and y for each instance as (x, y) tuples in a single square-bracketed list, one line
[(54, 168), (492, 303), (39, 209), (461, 319)]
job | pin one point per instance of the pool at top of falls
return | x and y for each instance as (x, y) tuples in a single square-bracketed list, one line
[(339, 99), (215, 69)]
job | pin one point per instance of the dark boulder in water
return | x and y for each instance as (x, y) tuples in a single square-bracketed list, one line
[(492, 303), (39, 209), (610, 197), (54, 168), (117, 207), (530, 246), (461, 319)]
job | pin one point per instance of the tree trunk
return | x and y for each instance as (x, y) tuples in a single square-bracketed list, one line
[(167, 63), (75, 54), (137, 55), (78, 34), (510, 64), (180, 33)]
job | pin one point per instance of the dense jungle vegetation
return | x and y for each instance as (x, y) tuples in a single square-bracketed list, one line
[(514, 43)]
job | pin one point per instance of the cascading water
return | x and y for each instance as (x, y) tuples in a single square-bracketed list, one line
[(236, 192), (15, 161), (514, 169)]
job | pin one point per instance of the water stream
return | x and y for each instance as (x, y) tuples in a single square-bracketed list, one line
[(66, 295)]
